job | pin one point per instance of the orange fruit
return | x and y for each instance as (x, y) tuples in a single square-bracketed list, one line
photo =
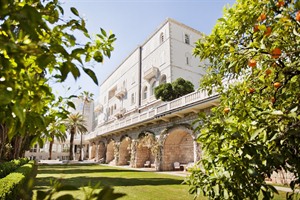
[(298, 16), (251, 90), (226, 110), (273, 99), (268, 71), (252, 63), (277, 84), (276, 53), (262, 17), (280, 3), (255, 28), (268, 31)]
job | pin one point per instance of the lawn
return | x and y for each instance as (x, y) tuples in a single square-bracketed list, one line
[(135, 184)]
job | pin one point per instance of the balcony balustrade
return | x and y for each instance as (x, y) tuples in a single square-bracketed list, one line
[(148, 115), (150, 73)]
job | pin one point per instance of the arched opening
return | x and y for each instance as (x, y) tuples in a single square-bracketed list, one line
[(145, 92), (110, 151), (178, 147), (101, 151), (93, 151), (161, 38), (143, 152), (125, 151), (153, 84), (163, 79)]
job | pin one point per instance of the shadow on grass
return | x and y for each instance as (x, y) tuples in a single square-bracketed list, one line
[(81, 170), (108, 181)]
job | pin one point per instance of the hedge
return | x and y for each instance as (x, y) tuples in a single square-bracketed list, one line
[(8, 167), (15, 185)]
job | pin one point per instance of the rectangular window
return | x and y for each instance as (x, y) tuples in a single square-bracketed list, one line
[(186, 39)]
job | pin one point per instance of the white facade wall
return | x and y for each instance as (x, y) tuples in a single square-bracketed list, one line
[(184, 64), (162, 57)]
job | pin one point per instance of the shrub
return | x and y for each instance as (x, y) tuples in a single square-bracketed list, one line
[(8, 167), (15, 184)]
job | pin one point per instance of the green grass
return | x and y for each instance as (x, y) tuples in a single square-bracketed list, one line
[(135, 184)]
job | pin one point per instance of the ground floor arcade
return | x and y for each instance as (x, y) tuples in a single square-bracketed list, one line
[(157, 146)]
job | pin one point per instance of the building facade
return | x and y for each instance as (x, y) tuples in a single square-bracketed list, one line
[(128, 110), (60, 150)]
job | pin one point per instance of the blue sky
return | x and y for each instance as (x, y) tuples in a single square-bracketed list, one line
[(133, 21)]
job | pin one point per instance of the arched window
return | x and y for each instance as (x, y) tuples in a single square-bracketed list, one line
[(145, 91), (161, 38), (186, 39), (163, 79), (152, 88)]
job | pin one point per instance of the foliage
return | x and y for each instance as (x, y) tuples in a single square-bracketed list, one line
[(17, 184), (8, 167), (37, 46), (171, 91), (75, 124), (254, 56), (107, 193)]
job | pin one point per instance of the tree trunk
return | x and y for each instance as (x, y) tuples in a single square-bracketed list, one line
[(71, 143), (3, 141), (50, 149)]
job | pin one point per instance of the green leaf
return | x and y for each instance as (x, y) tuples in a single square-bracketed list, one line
[(71, 104), (254, 135), (74, 11), (98, 56), (18, 111), (103, 32), (91, 73), (6, 96), (66, 197)]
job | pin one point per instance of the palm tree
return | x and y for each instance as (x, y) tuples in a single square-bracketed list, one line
[(86, 98), (75, 123), (57, 130)]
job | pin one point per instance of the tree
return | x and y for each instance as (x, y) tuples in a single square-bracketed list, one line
[(57, 131), (171, 91), (86, 98), (254, 65), (75, 124), (37, 45)]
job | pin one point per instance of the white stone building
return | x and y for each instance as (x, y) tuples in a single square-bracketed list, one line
[(60, 150), (129, 110)]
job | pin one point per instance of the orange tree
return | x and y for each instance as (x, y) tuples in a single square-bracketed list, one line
[(254, 52), (37, 45)]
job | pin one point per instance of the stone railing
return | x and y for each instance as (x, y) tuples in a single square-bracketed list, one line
[(149, 114)]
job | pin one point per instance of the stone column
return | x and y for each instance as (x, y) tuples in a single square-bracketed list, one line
[(133, 153), (116, 152), (97, 152), (197, 152), (90, 150)]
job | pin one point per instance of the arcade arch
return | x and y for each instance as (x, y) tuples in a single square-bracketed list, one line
[(178, 147), (124, 150)]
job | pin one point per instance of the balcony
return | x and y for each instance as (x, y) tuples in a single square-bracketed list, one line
[(119, 113), (150, 73), (98, 108), (192, 102), (120, 92)]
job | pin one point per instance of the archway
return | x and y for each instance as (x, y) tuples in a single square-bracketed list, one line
[(178, 147), (143, 151), (101, 151), (124, 151), (93, 150), (110, 151)]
